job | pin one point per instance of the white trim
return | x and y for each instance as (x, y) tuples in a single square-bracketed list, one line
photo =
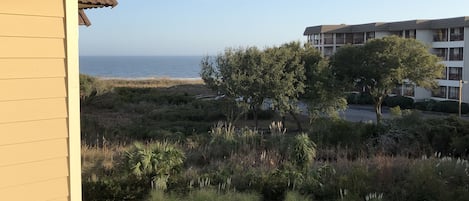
[(73, 90)]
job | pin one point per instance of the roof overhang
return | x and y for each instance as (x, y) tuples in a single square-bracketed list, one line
[(89, 4)]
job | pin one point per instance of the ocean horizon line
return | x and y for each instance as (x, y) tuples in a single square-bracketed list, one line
[(147, 78), (146, 55)]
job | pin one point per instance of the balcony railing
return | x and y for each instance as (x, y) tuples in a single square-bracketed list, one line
[(328, 41), (457, 37), (438, 38), (340, 41), (456, 57)]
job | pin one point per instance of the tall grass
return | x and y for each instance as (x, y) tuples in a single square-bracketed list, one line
[(205, 195)]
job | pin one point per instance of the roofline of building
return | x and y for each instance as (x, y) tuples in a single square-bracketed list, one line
[(390, 26)]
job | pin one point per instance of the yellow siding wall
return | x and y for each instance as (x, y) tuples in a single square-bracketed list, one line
[(34, 146)]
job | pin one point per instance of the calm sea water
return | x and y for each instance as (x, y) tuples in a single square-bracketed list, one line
[(141, 66)]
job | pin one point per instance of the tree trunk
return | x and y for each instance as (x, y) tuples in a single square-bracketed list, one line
[(298, 123), (379, 114), (283, 120), (254, 111)]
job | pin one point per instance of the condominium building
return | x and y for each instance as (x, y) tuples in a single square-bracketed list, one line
[(447, 38)]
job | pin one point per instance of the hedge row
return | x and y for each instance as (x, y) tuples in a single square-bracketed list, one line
[(408, 103)]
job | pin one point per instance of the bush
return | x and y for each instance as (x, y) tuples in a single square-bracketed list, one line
[(90, 87), (359, 98), (205, 195), (295, 196), (401, 101), (442, 106), (115, 189)]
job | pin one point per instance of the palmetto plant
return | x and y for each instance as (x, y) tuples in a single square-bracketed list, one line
[(156, 161)]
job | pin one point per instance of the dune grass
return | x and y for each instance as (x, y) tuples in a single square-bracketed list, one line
[(205, 195)]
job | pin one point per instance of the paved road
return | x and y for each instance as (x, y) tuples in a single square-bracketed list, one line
[(365, 113)]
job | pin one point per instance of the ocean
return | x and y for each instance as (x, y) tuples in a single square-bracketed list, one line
[(141, 67)]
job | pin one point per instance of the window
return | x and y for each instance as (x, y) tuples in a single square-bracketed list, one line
[(408, 89), (440, 35), (370, 35), (410, 33), (455, 73), (457, 34), (339, 38), (453, 93), (442, 53), (456, 54), (440, 92)]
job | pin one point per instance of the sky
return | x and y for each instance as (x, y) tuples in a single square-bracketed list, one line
[(208, 27)]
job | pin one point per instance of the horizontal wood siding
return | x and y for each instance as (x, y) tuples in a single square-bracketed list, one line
[(33, 172), (34, 149), (32, 110), (19, 154), (21, 89), (13, 47), (31, 68), (38, 26), (51, 189), (32, 131), (51, 8)]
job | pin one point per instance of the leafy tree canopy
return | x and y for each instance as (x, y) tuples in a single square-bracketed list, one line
[(381, 64)]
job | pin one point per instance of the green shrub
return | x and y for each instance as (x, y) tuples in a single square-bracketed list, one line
[(341, 133), (205, 195), (156, 161), (451, 107), (90, 87), (401, 101), (303, 151), (115, 189), (395, 111), (296, 196), (442, 106), (262, 114), (359, 98)]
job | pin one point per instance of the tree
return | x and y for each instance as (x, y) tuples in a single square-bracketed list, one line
[(322, 91), (382, 64), (285, 78), (237, 74), (252, 76)]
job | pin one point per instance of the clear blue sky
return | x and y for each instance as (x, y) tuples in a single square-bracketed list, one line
[(207, 27)]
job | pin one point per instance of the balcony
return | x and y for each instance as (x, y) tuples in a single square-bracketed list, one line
[(339, 39), (442, 53), (440, 35), (455, 73), (456, 34), (348, 38), (358, 38), (328, 41), (457, 37), (456, 54), (440, 92)]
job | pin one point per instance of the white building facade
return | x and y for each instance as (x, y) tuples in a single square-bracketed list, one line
[(447, 38)]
